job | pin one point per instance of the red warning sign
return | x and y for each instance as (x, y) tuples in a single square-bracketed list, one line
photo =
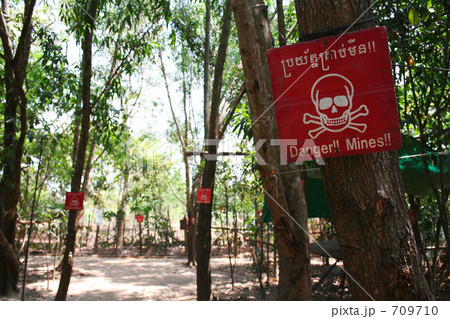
[(335, 96), (74, 201), (139, 218), (204, 195)]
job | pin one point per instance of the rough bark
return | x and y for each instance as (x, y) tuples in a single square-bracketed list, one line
[(203, 243), (283, 188), (10, 266), (365, 192), (15, 115), (67, 263)]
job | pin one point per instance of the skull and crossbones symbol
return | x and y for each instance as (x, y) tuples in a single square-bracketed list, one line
[(334, 106)]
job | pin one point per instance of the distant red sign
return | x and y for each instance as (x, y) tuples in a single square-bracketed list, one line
[(335, 96), (139, 218), (204, 195), (74, 201)]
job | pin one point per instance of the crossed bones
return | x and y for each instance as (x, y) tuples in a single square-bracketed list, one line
[(319, 120)]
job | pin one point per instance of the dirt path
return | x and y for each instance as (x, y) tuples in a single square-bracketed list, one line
[(105, 278)]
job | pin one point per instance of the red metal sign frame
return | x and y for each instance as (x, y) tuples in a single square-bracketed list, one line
[(74, 201), (335, 96), (204, 195)]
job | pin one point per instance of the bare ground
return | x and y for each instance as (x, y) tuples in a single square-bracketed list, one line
[(105, 278), (164, 278)]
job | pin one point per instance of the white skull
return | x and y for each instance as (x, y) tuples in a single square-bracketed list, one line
[(332, 95)]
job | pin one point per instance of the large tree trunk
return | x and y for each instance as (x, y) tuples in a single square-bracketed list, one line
[(67, 263), (9, 266), (203, 243), (369, 211), (14, 76), (366, 193), (282, 183)]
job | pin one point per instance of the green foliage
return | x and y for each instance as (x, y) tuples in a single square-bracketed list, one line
[(427, 219), (413, 17), (242, 124), (109, 215), (151, 182), (51, 84), (188, 28), (419, 42), (237, 191), (126, 35), (419, 38)]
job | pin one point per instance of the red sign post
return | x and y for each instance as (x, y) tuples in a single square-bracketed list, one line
[(74, 201), (335, 96), (139, 218), (204, 195)]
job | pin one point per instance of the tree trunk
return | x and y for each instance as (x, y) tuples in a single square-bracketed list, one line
[(9, 266), (120, 219), (203, 243), (89, 163), (14, 76), (97, 234), (204, 215), (76, 134), (366, 193), (192, 220), (282, 183), (281, 24), (69, 252), (183, 139), (190, 231), (206, 68)]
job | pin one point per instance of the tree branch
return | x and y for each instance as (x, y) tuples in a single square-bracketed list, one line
[(180, 134), (6, 40), (118, 70), (231, 111), (218, 72), (206, 68), (23, 48)]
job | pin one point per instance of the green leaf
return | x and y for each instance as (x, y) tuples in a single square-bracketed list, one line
[(414, 17)]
